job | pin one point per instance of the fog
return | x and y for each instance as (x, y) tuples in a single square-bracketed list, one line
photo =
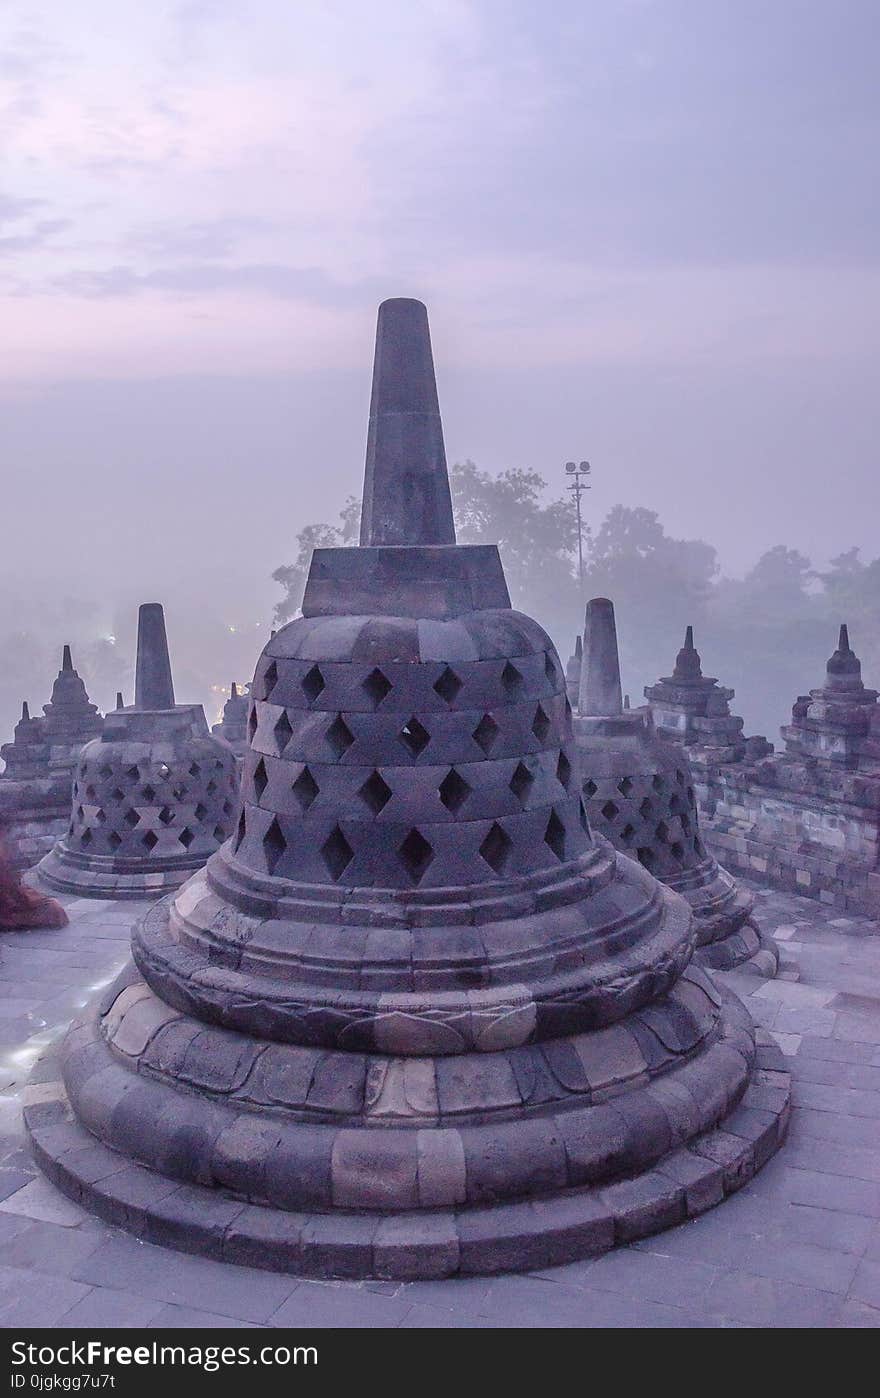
[(647, 234)]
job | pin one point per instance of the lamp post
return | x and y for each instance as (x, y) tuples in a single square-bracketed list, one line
[(578, 470)]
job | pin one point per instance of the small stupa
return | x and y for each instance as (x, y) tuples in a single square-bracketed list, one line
[(153, 797), (573, 671), (27, 756), (413, 1020), (233, 726), (639, 794), (694, 709)]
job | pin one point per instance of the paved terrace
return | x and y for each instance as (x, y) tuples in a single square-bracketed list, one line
[(799, 1246)]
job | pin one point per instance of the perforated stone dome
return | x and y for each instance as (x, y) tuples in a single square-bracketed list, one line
[(383, 764), (152, 798), (413, 929), (639, 793)]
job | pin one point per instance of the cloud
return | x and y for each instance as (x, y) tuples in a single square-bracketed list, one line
[(197, 279)]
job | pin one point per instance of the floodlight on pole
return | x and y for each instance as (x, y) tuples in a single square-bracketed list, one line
[(578, 470)]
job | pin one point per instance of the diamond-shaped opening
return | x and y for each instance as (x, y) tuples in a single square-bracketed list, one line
[(305, 789), (658, 783), (211, 788), (282, 732), (100, 815), (227, 808), (313, 684), (511, 681), (674, 803), (690, 794), (585, 824), (274, 845), (609, 810), (219, 834), (590, 788), (377, 687), (186, 837), (148, 793), (86, 838), (485, 733), (91, 793), (133, 773), (105, 771), (679, 777), (261, 779), (252, 722), (540, 724), (567, 709), (454, 790), (563, 770), (448, 685), (522, 781), (336, 853), (117, 794), (550, 668), (194, 769), (662, 832), (415, 855), (339, 736), (151, 839), (685, 822), (131, 818), (676, 849), (495, 848), (646, 857), (554, 835), (627, 833), (166, 815), (414, 736), (114, 839), (646, 808), (200, 811), (699, 847), (375, 792), (240, 832), (625, 786), (270, 679), (179, 792)]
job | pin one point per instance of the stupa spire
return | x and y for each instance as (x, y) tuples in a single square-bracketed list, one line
[(154, 688), (599, 693), (406, 485), (25, 712), (687, 662)]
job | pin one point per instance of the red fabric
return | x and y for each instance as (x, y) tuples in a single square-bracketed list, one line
[(23, 908)]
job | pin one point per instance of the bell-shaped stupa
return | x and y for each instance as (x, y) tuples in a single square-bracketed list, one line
[(153, 797), (413, 1020), (639, 794)]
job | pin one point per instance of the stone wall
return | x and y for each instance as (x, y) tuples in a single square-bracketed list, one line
[(803, 829), (34, 814)]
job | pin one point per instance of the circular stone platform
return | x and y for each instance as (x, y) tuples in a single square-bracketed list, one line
[(667, 1112)]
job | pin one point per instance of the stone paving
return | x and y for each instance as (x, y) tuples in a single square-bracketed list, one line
[(799, 1246)]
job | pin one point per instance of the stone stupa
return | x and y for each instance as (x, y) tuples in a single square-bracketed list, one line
[(153, 797), (639, 794), (412, 1020), (233, 725)]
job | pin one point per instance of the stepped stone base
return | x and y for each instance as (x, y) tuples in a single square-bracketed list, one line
[(635, 1157)]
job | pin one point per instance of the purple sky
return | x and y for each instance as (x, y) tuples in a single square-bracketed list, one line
[(647, 233)]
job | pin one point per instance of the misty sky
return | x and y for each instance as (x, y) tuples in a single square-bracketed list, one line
[(647, 233)]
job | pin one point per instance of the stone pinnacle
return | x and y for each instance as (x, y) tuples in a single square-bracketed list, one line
[(66, 662), (599, 694), (154, 688), (406, 485)]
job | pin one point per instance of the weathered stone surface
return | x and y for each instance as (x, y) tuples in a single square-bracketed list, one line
[(413, 1019), (639, 792), (152, 797)]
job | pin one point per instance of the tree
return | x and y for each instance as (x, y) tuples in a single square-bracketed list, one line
[(536, 540)]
